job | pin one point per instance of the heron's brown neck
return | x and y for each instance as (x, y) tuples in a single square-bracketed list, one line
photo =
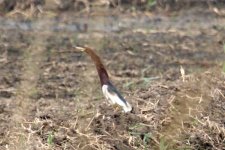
[(103, 75)]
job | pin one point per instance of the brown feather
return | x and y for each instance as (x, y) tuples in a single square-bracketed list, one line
[(103, 75)]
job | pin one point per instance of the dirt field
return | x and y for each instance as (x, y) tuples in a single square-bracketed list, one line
[(169, 66)]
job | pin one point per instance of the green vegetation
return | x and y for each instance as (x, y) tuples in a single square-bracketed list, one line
[(223, 62), (144, 136), (163, 145), (224, 67), (151, 3), (146, 139), (142, 83), (50, 138)]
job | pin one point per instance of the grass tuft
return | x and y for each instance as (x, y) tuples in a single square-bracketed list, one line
[(50, 138), (163, 145), (151, 3)]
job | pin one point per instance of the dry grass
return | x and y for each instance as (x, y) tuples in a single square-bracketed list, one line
[(172, 78)]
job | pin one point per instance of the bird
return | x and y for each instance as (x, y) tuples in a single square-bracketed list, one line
[(108, 89)]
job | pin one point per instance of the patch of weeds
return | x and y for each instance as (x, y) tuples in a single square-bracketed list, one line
[(132, 47), (223, 69), (103, 44), (34, 94), (50, 138), (149, 79), (135, 126), (194, 122), (224, 48), (98, 97), (144, 136), (146, 139), (78, 92), (135, 48), (143, 83), (151, 3), (195, 69), (163, 145), (74, 38), (129, 85)]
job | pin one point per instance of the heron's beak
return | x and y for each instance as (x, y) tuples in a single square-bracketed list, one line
[(82, 49)]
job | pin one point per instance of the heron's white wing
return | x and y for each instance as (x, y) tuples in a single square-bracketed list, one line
[(115, 98)]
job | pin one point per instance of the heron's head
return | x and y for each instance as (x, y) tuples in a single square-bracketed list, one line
[(82, 49)]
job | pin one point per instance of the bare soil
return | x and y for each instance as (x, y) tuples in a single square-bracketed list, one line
[(170, 68)]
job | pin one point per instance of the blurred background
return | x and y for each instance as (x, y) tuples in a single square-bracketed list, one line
[(167, 58)]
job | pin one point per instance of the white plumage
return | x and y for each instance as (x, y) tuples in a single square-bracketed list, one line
[(114, 97)]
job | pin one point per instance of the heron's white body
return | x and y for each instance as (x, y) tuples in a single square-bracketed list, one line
[(114, 98)]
